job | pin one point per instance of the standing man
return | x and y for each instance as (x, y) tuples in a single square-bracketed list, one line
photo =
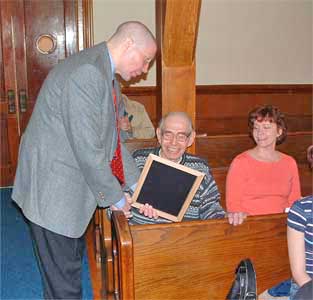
[(70, 154)]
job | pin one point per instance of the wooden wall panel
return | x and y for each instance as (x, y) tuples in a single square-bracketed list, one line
[(224, 109), (220, 150)]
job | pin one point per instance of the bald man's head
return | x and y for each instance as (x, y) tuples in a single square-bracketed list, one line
[(132, 48)]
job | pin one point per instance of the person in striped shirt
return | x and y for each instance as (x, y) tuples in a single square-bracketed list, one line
[(300, 240), (175, 134)]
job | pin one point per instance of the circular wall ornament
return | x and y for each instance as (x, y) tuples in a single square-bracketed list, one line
[(46, 43)]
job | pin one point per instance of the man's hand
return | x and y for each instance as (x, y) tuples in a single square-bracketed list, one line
[(124, 123), (148, 211), (126, 208), (128, 198), (236, 218)]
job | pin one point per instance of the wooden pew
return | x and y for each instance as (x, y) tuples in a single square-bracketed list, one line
[(135, 144), (194, 260), (220, 150)]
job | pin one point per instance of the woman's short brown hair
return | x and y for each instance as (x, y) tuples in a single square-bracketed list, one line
[(268, 113)]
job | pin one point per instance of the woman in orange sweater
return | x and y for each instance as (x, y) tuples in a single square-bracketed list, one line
[(262, 180)]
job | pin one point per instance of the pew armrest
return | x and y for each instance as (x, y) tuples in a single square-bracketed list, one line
[(123, 255)]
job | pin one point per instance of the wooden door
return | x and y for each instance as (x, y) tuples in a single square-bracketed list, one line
[(35, 36)]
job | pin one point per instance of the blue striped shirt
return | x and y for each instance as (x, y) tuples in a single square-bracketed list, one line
[(206, 202), (300, 218)]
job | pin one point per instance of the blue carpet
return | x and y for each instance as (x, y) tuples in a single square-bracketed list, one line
[(20, 278)]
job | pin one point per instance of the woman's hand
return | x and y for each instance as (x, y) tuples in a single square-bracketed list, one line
[(236, 218)]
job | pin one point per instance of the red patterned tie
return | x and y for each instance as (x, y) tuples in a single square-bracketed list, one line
[(117, 162)]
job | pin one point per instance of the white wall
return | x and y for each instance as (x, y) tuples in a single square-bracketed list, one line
[(251, 41), (239, 41)]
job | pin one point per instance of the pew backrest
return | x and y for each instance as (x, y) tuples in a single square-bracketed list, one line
[(220, 150), (135, 144), (197, 259), (224, 109)]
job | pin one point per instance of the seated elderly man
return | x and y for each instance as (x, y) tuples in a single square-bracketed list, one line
[(175, 134)]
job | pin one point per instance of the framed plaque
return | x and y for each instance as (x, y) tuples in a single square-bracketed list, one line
[(169, 187)]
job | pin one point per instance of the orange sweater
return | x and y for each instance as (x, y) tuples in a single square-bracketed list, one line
[(258, 187)]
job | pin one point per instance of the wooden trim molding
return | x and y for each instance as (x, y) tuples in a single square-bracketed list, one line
[(140, 91), (255, 88), (88, 23), (232, 89), (223, 109), (85, 24)]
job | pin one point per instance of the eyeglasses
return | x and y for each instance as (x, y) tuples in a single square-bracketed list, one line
[(146, 59), (180, 137)]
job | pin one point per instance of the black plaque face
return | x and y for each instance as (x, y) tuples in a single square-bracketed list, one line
[(167, 186)]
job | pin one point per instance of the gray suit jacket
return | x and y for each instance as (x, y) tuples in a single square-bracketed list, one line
[(64, 158)]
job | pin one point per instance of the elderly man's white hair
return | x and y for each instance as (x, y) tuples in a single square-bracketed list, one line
[(181, 114)]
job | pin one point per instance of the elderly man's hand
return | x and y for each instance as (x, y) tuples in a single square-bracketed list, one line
[(148, 211), (236, 218)]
